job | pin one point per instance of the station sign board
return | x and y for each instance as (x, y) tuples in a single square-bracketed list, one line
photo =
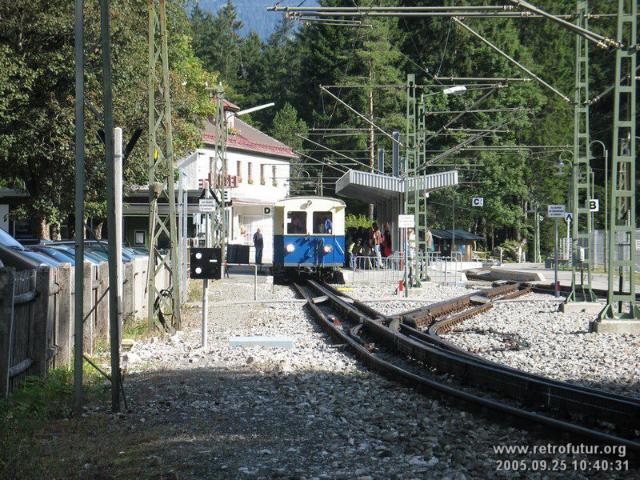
[(555, 211), (594, 205), (207, 205), (477, 202), (406, 221)]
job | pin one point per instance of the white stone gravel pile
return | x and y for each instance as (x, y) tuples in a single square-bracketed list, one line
[(533, 336), (384, 298)]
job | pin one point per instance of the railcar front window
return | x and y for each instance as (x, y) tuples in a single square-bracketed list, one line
[(296, 222), (323, 222)]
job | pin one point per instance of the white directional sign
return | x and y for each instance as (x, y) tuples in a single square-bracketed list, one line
[(207, 205), (568, 217), (594, 205), (555, 211), (477, 202), (406, 221)]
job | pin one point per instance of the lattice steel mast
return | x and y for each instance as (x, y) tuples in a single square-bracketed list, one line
[(622, 214), (581, 228), (218, 175), (415, 159), (161, 174)]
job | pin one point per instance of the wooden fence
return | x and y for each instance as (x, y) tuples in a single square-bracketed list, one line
[(37, 311)]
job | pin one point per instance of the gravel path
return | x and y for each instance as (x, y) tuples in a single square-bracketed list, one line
[(532, 335)]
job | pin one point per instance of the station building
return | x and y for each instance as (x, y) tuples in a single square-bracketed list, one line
[(258, 171)]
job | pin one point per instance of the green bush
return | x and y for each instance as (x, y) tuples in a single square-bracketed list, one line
[(355, 221)]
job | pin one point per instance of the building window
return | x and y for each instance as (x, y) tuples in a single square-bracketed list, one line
[(250, 172), (296, 222), (239, 170), (139, 237), (273, 174), (263, 180), (322, 222)]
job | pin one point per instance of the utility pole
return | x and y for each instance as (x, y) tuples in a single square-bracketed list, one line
[(581, 191), (410, 167), (107, 102), (371, 142), (78, 349), (205, 282), (161, 174), (622, 204)]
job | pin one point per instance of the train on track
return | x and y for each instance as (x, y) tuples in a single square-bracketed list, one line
[(308, 238)]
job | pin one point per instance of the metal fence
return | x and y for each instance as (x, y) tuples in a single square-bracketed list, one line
[(391, 269), (599, 248)]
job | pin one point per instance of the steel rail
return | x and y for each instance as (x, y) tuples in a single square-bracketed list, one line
[(509, 290), (373, 324), (439, 326)]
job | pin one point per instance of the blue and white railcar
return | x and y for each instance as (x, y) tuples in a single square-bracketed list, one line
[(308, 235)]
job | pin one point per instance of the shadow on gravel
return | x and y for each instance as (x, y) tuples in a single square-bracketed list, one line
[(247, 423)]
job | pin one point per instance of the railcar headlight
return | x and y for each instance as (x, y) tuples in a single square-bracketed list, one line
[(290, 248), (328, 249)]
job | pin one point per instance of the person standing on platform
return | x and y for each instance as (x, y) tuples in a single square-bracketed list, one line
[(377, 243), (258, 242)]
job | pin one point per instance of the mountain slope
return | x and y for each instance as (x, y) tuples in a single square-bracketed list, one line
[(253, 13)]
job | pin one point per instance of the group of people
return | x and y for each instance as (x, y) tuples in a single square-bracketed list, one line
[(368, 242)]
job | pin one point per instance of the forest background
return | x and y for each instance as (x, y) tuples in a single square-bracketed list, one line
[(288, 68)]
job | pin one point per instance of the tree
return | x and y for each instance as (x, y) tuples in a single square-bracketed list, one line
[(216, 40), (286, 128), (37, 113)]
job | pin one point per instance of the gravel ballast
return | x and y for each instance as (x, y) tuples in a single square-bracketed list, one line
[(531, 335), (311, 412)]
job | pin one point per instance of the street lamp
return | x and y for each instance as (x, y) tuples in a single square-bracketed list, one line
[(606, 195)]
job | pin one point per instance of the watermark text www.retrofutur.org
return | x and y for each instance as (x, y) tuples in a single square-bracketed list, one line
[(564, 457)]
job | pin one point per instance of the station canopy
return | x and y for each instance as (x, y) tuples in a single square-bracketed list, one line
[(373, 187)]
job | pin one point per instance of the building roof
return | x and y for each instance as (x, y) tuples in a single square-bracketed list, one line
[(247, 138), (460, 235)]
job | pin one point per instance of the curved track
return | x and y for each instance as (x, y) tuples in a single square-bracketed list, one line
[(399, 348)]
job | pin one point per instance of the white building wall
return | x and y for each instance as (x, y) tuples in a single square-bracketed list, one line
[(254, 197)]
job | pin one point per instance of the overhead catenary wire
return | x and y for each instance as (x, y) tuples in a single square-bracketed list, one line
[(600, 40), (486, 110), (360, 115), (512, 60), (337, 166), (459, 115), (331, 150)]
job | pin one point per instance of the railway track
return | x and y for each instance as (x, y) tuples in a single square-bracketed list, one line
[(565, 290), (409, 348)]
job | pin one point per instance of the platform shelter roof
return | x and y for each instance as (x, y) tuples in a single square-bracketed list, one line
[(375, 187)]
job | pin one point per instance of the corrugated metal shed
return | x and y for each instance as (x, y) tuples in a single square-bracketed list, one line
[(373, 187)]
